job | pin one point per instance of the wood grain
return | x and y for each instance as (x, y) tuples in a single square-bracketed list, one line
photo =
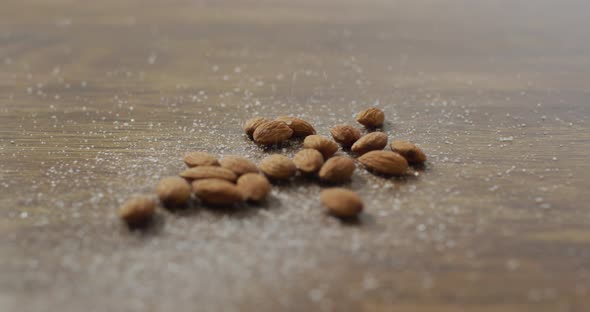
[(98, 100)]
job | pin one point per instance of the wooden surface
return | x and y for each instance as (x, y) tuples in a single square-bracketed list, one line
[(98, 100)]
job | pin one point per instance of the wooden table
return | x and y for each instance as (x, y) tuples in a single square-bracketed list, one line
[(99, 100)]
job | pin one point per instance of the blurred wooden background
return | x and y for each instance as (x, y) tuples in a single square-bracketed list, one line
[(98, 100)]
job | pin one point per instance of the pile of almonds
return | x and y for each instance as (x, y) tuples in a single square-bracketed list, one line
[(235, 179)]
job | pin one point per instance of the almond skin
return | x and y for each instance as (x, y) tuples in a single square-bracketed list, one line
[(324, 145), (272, 132), (345, 135), (209, 172), (196, 159), (138, 210), (300, 127), (254, 187), (341, 202), (217, 192), (370, 142), (278, 167), (173, 191), (251, 125), (239, 165), (385, 162), (412, 153), (308, 160), (371, 117), (337, 169)]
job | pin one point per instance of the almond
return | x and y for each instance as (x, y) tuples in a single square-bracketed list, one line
[(341, 202), (345, 135), (252, 124), (300, 127), (272, 132), (308, 160), (254, 187), (324, 145), (208, 172), (412, 153), (173, 190), (385, 162), (217, 192), (337, 169), (371, 117), (277, 167), (195, 159), (239, 165), (138, 210), (370, 142)]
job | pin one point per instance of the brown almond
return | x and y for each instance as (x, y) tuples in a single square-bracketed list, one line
[(337, 169), (251, 125), (277, 167), (195, 159), (385, 162), (254, 187), (217, 192), (308, 160), (138, 210), (173, 190), (341, 202), (412, 153), (239, 165), (272, 132), (324, 145), (345, 135), (208, 172), (370, 142), (371, 117), (300, 127)]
